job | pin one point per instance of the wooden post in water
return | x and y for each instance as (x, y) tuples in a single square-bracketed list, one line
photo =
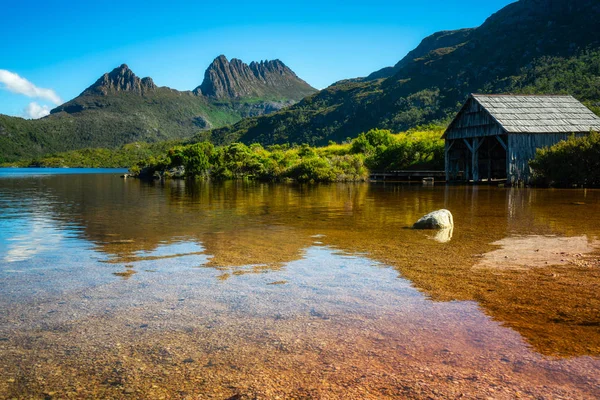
[(447, 160), (475, 154), (469, 168), (505, 147), (448, 165)]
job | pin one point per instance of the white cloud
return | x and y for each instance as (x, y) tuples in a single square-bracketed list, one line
[(16, 84), (35, 111)]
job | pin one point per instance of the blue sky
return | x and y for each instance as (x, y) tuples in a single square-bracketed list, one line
[(66, 46)]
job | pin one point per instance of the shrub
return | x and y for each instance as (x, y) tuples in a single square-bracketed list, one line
[(196, 158), (368, 142), (572, 161), (377, 149), (313, 169)]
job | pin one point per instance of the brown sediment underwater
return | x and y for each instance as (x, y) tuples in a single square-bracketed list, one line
[(369, 308)]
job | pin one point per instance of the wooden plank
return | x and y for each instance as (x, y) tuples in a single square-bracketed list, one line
[(475, 159), (502, 142), (406, 175), (451, 144), (479, 144), (522, 148), (508, 154), (468, 145), (447, 159)]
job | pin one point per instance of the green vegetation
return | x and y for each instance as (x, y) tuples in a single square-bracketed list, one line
[(550, 51), (351, 107), (373, 150), (123, 157), (578, 76), (420, 148), (527, 47), (112, 121), (121, 108), (575, 161)]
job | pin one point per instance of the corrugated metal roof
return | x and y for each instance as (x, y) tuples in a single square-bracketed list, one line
[(539, 114)]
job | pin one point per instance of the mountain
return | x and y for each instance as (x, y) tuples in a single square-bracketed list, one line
[(530, 46), (266, 79), (439, 40), (120, 79), (121, 108)]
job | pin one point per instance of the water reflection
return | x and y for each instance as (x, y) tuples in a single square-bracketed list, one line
[(443, 235), (32, 237), (241, 228)]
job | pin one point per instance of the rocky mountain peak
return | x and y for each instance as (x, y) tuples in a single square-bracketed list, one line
[(120, 79), (236, 79)]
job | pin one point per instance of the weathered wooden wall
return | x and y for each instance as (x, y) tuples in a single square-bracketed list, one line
[(475, 126), (473, 121), (522, 148)]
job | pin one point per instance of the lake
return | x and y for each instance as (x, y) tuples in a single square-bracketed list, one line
[(116, 288)]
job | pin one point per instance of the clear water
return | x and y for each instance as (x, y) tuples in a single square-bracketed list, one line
[(112, 288), (31, 172)]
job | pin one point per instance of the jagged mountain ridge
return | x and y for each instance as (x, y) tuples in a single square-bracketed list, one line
[(120, 79), (503, 54), (236, 79), (271, 80), (121, 108), (508, 52)]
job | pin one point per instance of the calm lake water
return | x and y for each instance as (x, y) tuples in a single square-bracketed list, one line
[(113, 288)]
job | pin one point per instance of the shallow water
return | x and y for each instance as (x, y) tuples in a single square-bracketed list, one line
[(116, 288)]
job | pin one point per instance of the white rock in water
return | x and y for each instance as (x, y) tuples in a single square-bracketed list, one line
[(440, 219)]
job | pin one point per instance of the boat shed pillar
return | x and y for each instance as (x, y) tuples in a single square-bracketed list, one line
[(475, 159)]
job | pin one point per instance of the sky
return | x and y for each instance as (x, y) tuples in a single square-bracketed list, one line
[(51, 51)]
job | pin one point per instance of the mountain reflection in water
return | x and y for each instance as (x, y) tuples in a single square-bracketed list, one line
[(252, 252)]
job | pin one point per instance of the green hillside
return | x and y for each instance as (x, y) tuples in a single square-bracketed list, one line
[(121, 108), (114, 121), (531, 46)]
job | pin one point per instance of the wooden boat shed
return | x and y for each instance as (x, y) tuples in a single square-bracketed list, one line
[(494, 137)]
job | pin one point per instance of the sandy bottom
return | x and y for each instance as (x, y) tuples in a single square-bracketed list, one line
[(526, 252), (332, 326), (117, 290)]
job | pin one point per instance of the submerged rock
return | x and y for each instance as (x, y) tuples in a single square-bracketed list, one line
[(440, 219)]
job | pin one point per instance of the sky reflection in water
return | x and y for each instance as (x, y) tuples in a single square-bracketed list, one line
[(247, 256)]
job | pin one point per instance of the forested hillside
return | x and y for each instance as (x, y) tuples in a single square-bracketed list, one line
[(121, 108), (531, 46)]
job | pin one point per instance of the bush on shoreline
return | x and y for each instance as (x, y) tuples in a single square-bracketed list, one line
[(373, 150), (575, 161)]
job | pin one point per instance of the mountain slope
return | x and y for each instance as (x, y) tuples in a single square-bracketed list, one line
[(121, 108), (431, 81), (438, 40), (120, 79), (266, 79)]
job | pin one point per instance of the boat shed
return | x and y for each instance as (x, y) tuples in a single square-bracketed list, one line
[(493, 137)]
